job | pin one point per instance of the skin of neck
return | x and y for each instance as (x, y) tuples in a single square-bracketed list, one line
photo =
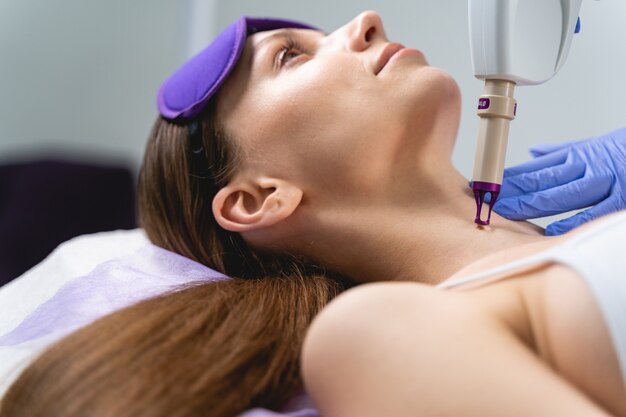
[(413, 221), (425, 239)]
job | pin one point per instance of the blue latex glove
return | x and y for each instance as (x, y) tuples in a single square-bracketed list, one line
[(568, 176)]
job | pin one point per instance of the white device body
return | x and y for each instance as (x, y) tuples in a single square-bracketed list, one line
[(523, 41)]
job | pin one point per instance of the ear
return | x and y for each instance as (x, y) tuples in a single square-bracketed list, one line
[(244, 206)]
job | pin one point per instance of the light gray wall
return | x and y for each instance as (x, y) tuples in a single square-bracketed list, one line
[(81, 75)]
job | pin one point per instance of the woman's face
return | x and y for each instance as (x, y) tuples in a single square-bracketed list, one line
[(344, 112)]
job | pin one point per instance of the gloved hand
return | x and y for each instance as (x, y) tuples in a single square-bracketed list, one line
[(568, 176)]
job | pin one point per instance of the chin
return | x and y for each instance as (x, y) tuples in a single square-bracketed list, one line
[(433, 109), (433, 90), (445, 84)]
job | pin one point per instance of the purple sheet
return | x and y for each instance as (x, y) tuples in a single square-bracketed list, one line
[(300, 406)]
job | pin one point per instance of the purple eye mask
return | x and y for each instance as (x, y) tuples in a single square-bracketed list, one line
[(185, 93)]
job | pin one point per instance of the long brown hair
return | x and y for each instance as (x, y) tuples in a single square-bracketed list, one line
[(212, 349)]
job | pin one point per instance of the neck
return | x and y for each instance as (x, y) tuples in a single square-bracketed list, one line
[(416, 243)]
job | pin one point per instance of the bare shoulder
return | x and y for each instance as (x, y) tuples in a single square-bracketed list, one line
[(551, 309), (574, 336)]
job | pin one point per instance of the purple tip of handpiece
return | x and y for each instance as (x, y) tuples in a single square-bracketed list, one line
[(480, 190)]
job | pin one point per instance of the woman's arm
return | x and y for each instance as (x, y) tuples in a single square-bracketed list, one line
[(405, 349)]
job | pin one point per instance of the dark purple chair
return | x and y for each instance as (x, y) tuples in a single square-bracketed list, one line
[(47, 202)]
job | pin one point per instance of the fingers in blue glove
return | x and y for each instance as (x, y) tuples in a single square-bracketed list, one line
[(610, 205), (571, 196), (549, 160), (546, 148), (543, 179)]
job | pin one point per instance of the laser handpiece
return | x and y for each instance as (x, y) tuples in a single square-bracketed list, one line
[(496, 108), (513, 43)]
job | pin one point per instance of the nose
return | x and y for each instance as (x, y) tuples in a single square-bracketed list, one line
[(364, 30)]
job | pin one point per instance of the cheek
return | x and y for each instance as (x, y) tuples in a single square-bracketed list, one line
[(302, 109), (329, 124), (322, 126)]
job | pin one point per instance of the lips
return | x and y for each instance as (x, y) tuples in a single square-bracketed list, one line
[(388, 51)]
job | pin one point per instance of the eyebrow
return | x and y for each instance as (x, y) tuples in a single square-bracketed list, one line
[(260, 47), (282, 34)]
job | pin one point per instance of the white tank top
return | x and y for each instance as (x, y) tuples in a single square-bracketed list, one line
[(598, 255)]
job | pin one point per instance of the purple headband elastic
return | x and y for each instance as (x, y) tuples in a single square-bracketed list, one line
[(185, 93)]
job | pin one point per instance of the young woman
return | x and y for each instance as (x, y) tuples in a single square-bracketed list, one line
[(305, 165)]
